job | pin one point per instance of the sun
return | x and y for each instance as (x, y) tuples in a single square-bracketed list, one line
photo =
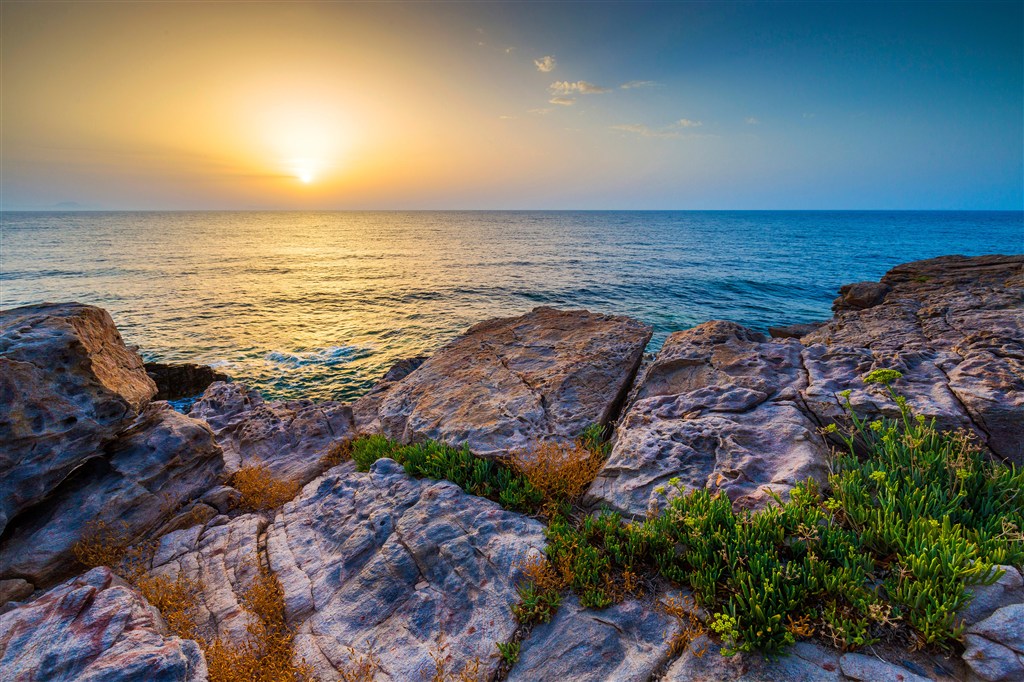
[(305, 177)]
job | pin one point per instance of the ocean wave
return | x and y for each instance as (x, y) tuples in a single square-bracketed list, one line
[(331, 355)]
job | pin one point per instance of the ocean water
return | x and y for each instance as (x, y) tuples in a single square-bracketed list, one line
[(320, 304)]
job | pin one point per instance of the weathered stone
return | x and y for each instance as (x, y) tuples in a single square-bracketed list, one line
[(955, 327), (793, 331), (162, 460), (860, 296), (366, 409), (703, 661), (720, 409), (223, 498), (1005, 626), (992, 662), (68, 384), (15, 589), (288, 437), (986, 599), (383, 561), (184, 380), (625, 642), (510, 382), (871, 669), (94, 628)]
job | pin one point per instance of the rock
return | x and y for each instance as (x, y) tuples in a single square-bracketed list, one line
[(986, 599), (365, 410), (793, 331), (510, 382), (703, 662), (15, 589), (955, 327), (720, 409), (68, 384), (141, 478), (871, 669), (385, 561), (860, 296), (992, 662), (627, 641), (288, 437), (223, 498), (1005, 626), (176, 381), (94, 628)]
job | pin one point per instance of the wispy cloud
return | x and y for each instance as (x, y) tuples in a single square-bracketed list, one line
[(540, 111), (545, 64), (562, 101), (637, 84), (645, 131), (751, 121), (688, 123), (506, 118), (579, 87)]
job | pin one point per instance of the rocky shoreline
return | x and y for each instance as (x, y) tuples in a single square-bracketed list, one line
[(408, 567)]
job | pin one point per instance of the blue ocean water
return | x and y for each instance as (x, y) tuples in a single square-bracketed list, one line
[(320, 304)]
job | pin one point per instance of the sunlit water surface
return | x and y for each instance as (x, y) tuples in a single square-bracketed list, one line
[(320, 304)]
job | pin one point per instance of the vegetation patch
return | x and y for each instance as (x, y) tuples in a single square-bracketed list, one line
[(914, 516), (261, 490)]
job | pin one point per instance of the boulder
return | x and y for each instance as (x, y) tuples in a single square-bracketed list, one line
[(162, 461), (860, 296), (288, 437), (719, 408), (366, 409), (184, 380), (68, 385), (955, 327), (625, 642), (793, 331), (703, 661), (510, 382), (94, 628)]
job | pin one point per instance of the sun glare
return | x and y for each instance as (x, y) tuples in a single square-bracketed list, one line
[(306, 177)]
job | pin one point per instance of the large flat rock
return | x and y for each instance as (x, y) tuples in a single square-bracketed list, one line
[(94, 628), (719, 408), (68, 384), (510, 382), (288, 437)]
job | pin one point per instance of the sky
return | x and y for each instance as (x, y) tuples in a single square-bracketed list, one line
[(330, 105)]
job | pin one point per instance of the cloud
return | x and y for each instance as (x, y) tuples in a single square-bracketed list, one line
[(509, 50), (540, 111), (637, 84), (751, 121), (506, 118), (644, 131), (688, 123), (580, 87), (562, 101), (545, 64)]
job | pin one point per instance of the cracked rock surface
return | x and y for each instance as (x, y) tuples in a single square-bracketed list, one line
[(510, 382), (92, 628)]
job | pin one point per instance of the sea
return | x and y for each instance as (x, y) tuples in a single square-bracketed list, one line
[(319, 304)]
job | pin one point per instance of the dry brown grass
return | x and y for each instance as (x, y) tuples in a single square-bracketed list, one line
[(102, 545), (337, 452), (470, 672), (261, 490), (684, 611), (360, 667), (562, 471)]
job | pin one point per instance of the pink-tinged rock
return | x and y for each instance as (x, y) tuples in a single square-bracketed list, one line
[(68, 384), (94, 628), (510, 382), (718, 409), (288, 437)]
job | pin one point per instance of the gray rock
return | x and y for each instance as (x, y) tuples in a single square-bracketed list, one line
[(94, 628), (288, 437), (223, 498), (383, 561), (366, 409), (1005, 626), (992, 662), (510, 382), (719, 409), (1008, 589), (870, 669), (15, 589), (703, 662), (625, 642), (161, 461), (182, 380), (860, 296), (793, 331), (68, 384)]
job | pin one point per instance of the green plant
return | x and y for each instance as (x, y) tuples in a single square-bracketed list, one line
[(508, 651)]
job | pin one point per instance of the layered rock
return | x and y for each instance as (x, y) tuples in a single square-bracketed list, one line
[(182, 380), (375, 561), (366, 409), (94, 627), (510, 382), (288, 437), (720, 409), (82, 445)]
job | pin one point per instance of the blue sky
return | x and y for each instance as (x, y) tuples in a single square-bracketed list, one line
[(797, 105)]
